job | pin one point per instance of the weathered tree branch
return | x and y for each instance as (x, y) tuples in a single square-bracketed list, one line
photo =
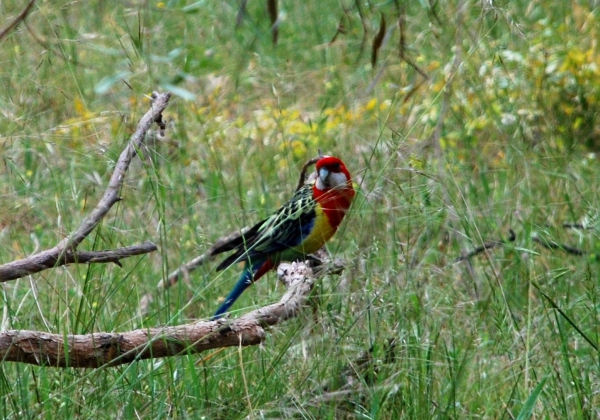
[(20, 18), (583, 226), (545, 243), (111, 195), (110, 349), (304, 170), (552, 245), (487, 245), (36, 264), (109, 255), (55, 256)]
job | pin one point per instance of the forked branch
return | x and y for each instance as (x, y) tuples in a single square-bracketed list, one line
[(64, 252)]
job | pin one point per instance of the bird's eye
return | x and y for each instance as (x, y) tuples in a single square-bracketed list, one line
[(335, 167)]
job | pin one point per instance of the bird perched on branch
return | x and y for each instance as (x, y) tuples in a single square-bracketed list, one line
[(300, 227)]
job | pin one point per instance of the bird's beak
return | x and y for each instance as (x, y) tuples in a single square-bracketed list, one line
[(323, 174)]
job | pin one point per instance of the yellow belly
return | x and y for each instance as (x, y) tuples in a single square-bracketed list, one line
[(321, 233)]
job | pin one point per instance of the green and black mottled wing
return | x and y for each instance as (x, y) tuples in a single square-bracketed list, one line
[(283, 230)]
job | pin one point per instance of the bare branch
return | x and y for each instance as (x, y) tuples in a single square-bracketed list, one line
[(17, 20), (341, 28), (305, 167), (110, 255), (583, 226), (36, 264), (51, 257), (552, 245), (110, 349), (111, 195), (487, 245)]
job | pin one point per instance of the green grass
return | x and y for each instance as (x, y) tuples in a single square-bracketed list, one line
[(503, 135)]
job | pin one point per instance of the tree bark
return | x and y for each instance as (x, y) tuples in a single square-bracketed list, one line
[(111, 349)]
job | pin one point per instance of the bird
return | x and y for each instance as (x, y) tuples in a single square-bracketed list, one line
[(300, 227)]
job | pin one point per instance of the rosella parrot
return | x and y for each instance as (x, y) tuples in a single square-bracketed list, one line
[(300, 227)]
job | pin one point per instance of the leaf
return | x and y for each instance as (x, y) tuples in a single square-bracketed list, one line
[(194, 7), (402, 41), (378, 41), (184, 93), (341, 29), (363, 21), (272, 8), (241, 13), (566, 317), (527, 408), (109, 81)]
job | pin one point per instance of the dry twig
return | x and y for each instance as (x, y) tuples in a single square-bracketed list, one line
[(487, 245), (552, 245), (20, 18), (95, 257), (304, 170), (583, 226)]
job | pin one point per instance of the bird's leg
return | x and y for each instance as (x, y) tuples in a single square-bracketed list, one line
[(314, 261), (318, 258)]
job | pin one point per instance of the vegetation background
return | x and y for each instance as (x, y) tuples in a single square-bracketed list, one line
[(460, 120)]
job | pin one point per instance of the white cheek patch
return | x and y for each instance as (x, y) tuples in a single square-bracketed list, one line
[(320, 184), (337, 179), (333, 180)]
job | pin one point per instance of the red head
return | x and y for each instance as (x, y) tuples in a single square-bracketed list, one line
[(333, 189), (332, 173)]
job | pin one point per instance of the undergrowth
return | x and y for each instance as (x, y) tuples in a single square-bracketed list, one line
[(459, 121)]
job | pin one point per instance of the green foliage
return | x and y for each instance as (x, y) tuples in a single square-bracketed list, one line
[(502, 134)]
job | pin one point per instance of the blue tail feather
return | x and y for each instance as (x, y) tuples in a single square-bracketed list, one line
[(243, 283)]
